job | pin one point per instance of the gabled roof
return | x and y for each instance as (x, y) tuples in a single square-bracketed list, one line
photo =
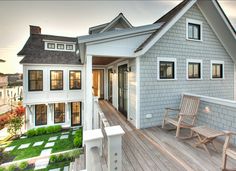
[(166, 19), (214, 15), (107, 26), (34, 53)]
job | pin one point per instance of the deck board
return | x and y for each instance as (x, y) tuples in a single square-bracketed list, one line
[(157, 149)]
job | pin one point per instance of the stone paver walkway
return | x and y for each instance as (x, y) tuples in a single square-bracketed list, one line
[(63, 133), (66, 168), (52, 138), (49, 144), (46, 152), (41, 164), (23, 146), (9, 148), (64, 137), (57, 169), (38, 143)]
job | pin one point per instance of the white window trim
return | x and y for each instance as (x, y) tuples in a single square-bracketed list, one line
[(64, 50), (194, 61), (188, 20), (159, 59), (223, 69)]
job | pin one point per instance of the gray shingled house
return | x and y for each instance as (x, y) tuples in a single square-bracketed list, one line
[(139, 70)]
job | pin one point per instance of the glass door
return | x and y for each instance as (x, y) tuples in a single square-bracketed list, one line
[(98, 83), (123, 89), (110, 85), (75, 113)]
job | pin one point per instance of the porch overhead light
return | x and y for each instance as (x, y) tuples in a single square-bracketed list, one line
[(113, 71), (128, 69)]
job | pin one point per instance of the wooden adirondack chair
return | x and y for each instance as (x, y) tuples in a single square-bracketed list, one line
[(186, 114), (227, 151)]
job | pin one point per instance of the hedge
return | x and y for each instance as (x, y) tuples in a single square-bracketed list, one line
[(43, 130)]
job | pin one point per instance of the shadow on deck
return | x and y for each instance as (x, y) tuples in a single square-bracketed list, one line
[(157, 149)]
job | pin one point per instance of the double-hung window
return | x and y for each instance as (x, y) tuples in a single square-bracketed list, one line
[(194, 69), (35, 78), (193, 30), (217, 69), (166, 68), (56, 80), (75, 80)]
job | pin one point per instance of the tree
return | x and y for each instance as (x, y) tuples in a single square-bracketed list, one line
[(16, 121)]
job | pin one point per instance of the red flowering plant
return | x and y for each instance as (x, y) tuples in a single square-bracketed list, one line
[(16, 121)]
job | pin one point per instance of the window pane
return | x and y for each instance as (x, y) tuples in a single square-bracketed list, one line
[(51, 46), (75, 111), (75, 82), (217, 71), (35, 80), (60, 46), (59, 112), (69, 47), (194, 31), (56, 81), (40, 114), (166, 70), (194, 70)]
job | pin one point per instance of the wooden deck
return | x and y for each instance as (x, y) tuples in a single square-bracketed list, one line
[(157, 149)]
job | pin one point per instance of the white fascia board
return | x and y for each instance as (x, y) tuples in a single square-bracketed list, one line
[(166, 28), (58, 41), (114, 21), (120, 33)]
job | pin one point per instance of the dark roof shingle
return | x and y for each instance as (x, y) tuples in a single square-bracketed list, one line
[(34, 52)]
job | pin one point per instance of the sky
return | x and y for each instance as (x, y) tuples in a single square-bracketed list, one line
[(73, 18)]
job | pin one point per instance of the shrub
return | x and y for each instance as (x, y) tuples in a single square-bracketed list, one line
[(40, 131), (77, 141), (50, 129), (31, 133), (60, 158), (23, 165), (53, 159), (2, 169), (79, 132), (11, 167), (57, 128)]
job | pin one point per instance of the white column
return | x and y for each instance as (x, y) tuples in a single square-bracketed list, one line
[(114, 136), (92, 138), (235, 82), (88, 93)]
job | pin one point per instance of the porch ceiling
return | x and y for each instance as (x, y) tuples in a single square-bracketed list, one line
[(103, 60)]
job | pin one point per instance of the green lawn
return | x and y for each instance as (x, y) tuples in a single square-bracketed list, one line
[(60, 145)]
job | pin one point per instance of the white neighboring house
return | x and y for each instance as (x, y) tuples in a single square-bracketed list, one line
[(53, 85)]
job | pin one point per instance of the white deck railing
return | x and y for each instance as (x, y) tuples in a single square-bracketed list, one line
[(104, 137)]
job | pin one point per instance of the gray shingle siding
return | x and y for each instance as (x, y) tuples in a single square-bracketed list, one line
[(156, 95)]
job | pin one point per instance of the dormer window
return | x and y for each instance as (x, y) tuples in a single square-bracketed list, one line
[(193, 30), (60, 46), (51, 45)]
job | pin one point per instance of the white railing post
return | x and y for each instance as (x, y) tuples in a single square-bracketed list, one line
[(114, 136), (95, 112), (92, 138)]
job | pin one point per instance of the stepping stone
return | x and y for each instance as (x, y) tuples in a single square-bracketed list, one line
[(9, 148), (52, 138), (63, 133), (64, 137), (38, 143), (73, 133), (58, 169), (23, 146), (66, 168), (23, 137), (41, 164), (50, 144), (46, 152)]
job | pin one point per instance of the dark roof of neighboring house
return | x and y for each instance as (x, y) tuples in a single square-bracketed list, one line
[(165, 19), (34, 52)]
